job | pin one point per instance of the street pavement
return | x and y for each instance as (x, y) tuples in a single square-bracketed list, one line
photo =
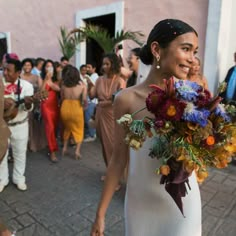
[(62, 198)]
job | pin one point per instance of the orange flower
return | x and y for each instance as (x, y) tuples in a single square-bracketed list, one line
[(189, 165), (164, 170), (201, 175), (171, 111), (210, 140)]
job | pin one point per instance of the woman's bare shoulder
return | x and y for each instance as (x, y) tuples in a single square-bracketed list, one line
[(127, 97)]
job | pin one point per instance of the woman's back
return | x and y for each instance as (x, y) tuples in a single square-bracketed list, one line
[(73, 93)]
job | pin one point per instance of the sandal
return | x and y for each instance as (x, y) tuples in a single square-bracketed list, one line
[(78, 156)]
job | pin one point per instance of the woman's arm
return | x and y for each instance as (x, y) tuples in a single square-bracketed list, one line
[(116, 166), (92, 91), (84, 93)]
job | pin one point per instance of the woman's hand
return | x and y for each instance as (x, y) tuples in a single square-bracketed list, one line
[(98, 227)]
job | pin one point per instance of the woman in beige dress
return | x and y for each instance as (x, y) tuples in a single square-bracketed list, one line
[(105, 87), (37, 137)]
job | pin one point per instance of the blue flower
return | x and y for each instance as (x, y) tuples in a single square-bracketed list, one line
[(220, 111), (197, 116), (187, 90)]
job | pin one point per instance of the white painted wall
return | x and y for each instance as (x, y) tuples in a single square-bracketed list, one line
[(220, 41)]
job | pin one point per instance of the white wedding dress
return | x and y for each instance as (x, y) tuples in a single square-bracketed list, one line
[(149, 209)]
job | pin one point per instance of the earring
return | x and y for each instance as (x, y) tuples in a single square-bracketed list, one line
[(158, 63)]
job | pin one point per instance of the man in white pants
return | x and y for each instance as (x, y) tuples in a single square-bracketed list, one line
[(19, 90)]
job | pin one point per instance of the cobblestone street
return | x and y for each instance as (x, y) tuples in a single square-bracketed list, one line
[(62, 198)]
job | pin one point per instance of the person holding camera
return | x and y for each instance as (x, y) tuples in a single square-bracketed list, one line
[(50, 107)]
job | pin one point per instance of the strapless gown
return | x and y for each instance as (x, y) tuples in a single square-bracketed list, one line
[(149, 209)]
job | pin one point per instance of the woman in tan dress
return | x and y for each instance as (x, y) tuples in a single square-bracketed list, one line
[(37, 137), (105, 87)]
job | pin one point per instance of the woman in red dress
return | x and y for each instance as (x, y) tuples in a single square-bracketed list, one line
[(50, 107)]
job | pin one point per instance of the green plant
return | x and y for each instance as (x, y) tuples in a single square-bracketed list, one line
[(103, 38), (68, 42)]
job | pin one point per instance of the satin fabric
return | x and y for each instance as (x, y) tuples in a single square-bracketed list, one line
[(50, 114)]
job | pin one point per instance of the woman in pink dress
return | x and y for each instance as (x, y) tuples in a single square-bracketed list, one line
[(50, 107), (105, 87)]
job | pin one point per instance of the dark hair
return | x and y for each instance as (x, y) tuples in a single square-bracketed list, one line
[(164, 32), (136, 51), (115, 62), (17, 63), (92, 63), (38, 60), (64, 59), (27, 60), (82, 66), (57, 64), (70, 76), (44, 72)]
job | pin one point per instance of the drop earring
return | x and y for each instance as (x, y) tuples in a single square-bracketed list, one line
[(158, 62)]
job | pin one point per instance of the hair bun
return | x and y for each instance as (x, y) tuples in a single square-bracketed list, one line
[(146, 55)]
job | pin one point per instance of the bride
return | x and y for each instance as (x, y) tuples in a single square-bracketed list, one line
[(149, 209)]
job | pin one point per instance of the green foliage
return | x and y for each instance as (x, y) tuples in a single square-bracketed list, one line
[(68, 42), (103, 38)]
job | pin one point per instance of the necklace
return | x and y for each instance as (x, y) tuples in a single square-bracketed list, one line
[(109, 88)]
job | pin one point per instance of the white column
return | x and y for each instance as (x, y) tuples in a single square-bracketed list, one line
[(220, 41)]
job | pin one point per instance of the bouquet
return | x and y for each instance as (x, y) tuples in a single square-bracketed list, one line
[(190, 130)]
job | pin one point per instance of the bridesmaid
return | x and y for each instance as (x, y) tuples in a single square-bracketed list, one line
[(50, 106), (195, 74), (105, 87), (73, 96), (37, 137)]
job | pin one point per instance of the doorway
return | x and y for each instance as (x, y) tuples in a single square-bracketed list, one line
[(110, 17), (94, 52)]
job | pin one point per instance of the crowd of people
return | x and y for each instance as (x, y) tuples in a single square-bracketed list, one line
[(49, 102)]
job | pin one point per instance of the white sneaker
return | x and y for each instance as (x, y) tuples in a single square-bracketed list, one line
[(89, 139), (22, 187), (2, 186)]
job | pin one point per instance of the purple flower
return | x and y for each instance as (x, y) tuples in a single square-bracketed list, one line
[(197, 116), (220, 111), (187, 90)]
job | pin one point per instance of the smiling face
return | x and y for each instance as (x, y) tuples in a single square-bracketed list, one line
[(10, 72), (27, 67), (195, 68), (177, 59)]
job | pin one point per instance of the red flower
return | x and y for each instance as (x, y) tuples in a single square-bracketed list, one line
[(173, 109), (204, 97), (154, 100)]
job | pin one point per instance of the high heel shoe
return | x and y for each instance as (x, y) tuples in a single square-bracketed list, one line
[(53, 158), (78, 156)]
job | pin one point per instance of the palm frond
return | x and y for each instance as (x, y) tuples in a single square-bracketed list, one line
[(68, 42), (103, 38)]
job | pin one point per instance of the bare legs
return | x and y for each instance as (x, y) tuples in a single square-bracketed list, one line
[(77, 149)]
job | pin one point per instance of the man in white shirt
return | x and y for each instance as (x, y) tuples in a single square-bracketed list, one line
[(16, 90), (90, 133)]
